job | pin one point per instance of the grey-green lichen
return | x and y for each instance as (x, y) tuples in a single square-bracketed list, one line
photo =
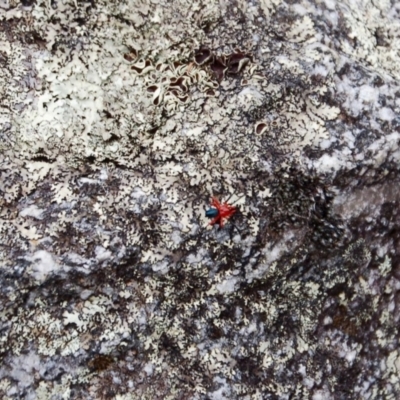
[(114, 135)]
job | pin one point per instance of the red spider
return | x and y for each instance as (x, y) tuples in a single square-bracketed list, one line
[(220, 212)]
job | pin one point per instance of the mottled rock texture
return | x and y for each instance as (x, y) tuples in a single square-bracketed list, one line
[(119, 119)]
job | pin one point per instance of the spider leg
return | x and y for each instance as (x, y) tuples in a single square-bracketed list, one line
[(236, 227), (239, 198), (215, 203), (227, 200), (215, 220)]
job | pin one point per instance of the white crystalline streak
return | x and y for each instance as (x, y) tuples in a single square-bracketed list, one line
[(32, 211), (227, 286), (43, 264), (102, 254), (329, 163), (23, 367)]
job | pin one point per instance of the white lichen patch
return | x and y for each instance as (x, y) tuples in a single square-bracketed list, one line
[(385, 266), (120, 120), (375, 28), (43, 264)]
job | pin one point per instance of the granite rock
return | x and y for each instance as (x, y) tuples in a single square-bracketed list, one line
[(119, 120)]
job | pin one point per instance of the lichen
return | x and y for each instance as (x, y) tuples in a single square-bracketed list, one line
[(120, 120)]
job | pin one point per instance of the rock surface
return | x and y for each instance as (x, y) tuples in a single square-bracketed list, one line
[(120, 119)]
